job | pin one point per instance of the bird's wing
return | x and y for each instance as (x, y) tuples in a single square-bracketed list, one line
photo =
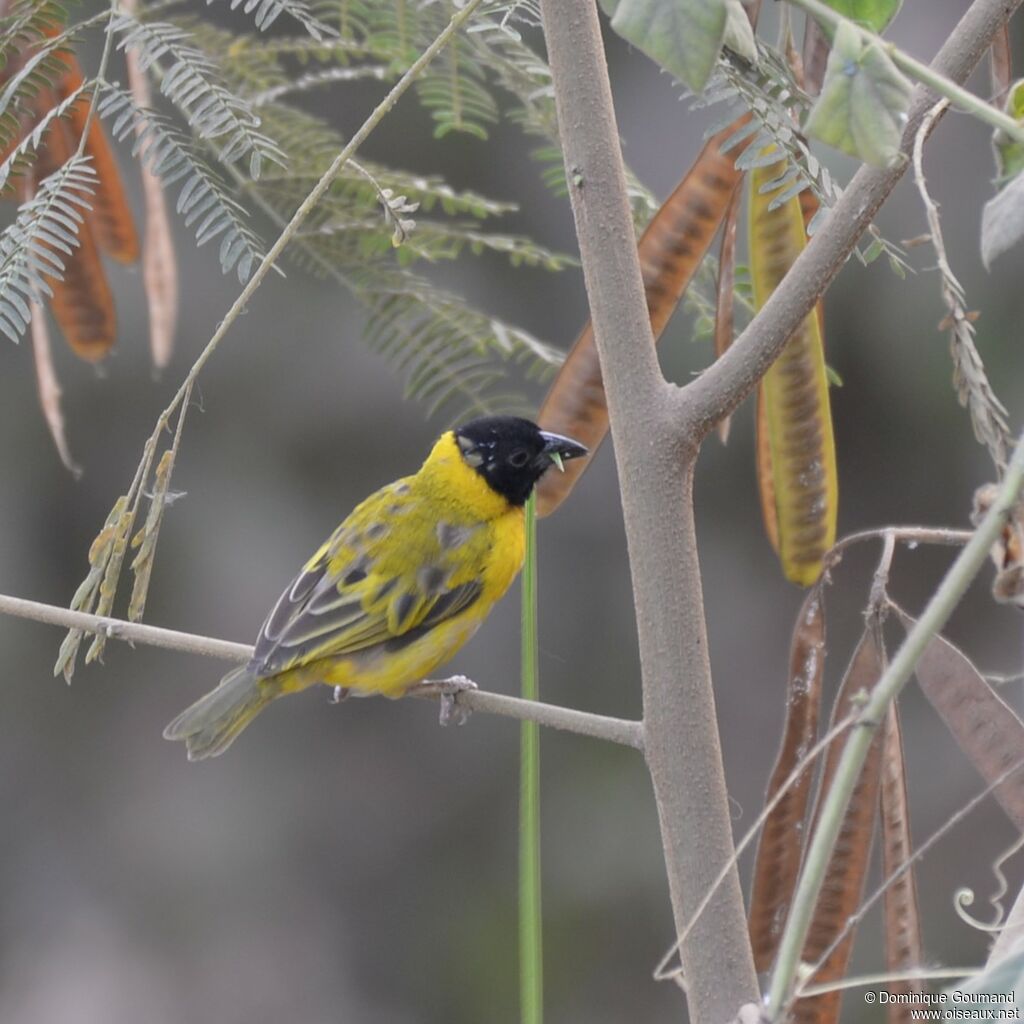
[(391, 572)]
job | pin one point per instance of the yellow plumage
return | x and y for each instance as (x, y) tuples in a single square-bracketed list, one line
[(399, 586)]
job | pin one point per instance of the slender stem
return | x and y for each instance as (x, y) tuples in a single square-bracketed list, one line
[(912, 535), (119, 629), (938, 83), (939, 608), (877, 980), (531, 950), (309, 203), (602, 727), (101, 77)]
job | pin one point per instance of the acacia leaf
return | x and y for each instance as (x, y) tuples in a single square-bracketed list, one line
[(863, 104), (683, 36), (872, 14), (1009, 152), (1002, 221), (739, 33)]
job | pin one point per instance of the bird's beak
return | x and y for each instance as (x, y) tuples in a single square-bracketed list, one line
[(558, 448)]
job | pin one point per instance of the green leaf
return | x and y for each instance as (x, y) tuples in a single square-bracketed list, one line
[(1010, 153), (863, 103), (683, 36), (739, 33), (872, 14), (1002, 221)]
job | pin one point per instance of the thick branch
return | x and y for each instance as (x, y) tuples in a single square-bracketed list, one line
[(614, 730), (730, 379), (655, 462)]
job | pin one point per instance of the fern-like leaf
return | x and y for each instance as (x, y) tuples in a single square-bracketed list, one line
[(312, 145), (266, 12), (451, 354), (454, 90), (32, 248), (20, 155), (204, 200), (192, 83), (359, 238), (318, 79), (28, 23), (34, 68), (497, 44), (780, 106)]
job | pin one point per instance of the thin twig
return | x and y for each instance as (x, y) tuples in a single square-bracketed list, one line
[(614, 730), (988, 414), (940, 607), (880, 581), (1004, 678), (101, 77), (874, 980), (910, 535)]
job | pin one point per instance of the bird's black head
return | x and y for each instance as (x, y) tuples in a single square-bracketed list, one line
[(511, 454)]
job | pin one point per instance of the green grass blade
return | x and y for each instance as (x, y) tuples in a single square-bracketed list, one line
[(531, 972)]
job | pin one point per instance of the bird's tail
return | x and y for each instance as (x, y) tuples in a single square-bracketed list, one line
[(210, 725)]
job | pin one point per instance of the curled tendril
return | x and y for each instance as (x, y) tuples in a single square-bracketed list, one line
[(964, 897)]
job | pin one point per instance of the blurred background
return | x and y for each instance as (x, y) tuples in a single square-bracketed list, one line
[(357, 863)]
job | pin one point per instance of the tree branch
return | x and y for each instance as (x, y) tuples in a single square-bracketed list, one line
[(602, 727), (655, 464), (717, 392)]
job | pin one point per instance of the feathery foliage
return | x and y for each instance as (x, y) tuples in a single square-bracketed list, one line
[(266, 12), (432, 336), (448, 352), (238, 92), (30, 47), (29, 22), (22, 153), (780, 107), (193, 84), (770, 92), (30, 249), (203, 200)]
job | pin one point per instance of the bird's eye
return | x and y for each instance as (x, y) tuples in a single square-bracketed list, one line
[(519, 458)]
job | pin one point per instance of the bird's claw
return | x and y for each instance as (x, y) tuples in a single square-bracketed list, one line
[(451, 709), (340, 693)]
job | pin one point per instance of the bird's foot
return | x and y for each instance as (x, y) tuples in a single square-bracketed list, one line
[(448, 690), (340, 693)]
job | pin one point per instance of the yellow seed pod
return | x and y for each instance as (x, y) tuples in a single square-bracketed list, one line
[(796, 449)]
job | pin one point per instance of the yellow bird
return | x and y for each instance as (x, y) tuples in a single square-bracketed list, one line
[(399, 586)]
